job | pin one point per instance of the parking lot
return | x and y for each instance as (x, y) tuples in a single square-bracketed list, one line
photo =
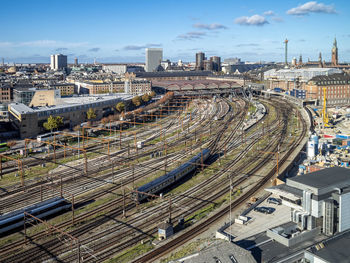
[(260, 222)]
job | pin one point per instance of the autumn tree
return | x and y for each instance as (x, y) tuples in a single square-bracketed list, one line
[(90, 114), (53, 123), (136, 101), (146, 97), (120, 107), (152, 94)]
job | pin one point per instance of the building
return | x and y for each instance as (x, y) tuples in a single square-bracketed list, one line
[(45, 97), (220, 251), (23, 94), (76, 62), (129, 86), (319, 202), (58, 62), (122, 68), (289, 79), (29, 120), (200, 57), (154, 56), (337, 89), (216, 63), (335, 53), (137, 87), (207, 65), (66, 89), (5, 93)]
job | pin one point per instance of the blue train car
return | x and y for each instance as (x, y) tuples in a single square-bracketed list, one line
[(172, 177), (41, 210)]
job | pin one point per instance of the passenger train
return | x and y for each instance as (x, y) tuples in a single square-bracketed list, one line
[(170, 178), (41, 210)]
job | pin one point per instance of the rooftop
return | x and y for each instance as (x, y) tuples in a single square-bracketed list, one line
[(334, 250), (68, 102), (326, 178), (172, 74), (221, 251)]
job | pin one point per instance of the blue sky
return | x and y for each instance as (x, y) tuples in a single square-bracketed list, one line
[(119, 31)]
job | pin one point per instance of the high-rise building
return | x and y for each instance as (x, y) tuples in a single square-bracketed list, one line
[(58, 62), (207, 65), (200, 57), (154, 57), (75, 61), (335, 53), (216, 63)]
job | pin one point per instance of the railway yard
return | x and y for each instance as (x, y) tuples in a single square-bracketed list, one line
[(187, 162)]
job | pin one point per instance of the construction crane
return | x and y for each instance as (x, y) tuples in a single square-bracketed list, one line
[(325, 118)]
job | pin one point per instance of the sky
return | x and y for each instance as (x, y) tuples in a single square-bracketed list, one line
[(119, 31)]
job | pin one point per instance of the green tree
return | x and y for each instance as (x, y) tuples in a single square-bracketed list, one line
[(90, 114), (53, 123), (120, 106), (136, 101), (146, 97)]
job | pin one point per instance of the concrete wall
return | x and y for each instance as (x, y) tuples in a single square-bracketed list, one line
[(293, 240), (344, 212)]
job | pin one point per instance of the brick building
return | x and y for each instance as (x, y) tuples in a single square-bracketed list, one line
[(337, 89)]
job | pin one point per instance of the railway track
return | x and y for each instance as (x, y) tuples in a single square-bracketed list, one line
[(112, 251)]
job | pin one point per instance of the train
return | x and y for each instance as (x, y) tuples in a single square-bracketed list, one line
[(170, 178), (14, 220)]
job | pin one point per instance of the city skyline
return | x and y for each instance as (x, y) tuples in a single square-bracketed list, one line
[(119, 32)]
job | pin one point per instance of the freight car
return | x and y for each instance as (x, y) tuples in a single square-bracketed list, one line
[(172, 177), (41, 210)]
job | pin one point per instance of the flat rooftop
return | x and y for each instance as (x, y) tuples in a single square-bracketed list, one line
[(68, 102), (335, 249), (328, 178)]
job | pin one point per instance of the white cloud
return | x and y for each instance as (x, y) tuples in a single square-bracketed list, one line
[(255, 20), (213, 26), (269, 13), (191, 35), (312, 7)]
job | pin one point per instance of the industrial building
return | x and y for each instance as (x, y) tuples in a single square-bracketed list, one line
[(58, 62), (319, 201), (29, 120), (154, 56)]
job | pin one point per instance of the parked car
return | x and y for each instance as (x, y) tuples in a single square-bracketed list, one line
[(264, 210), (275, 201)]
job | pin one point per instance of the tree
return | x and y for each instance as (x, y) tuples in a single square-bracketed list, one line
[(53, 123), (152, 94), (105, 120), (146, 97), (136, 101), (90, 114), (120, 106)]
